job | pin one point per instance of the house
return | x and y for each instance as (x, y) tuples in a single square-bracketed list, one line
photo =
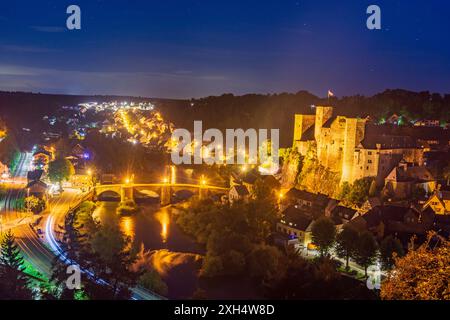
[(80, 152), (342, 215), (427, 123), (314, 204), (404, 180), (394, 220), (41, 158), (439, 202), (238, 193), (37, 188), (393, 119), (370, 203), (295, 223), (4, 170), (34, 175), (248, 180)]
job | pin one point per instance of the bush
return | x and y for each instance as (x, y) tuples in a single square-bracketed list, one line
[(212, 266), (264, 262), (152, 281), (34, 204), (127, 207)]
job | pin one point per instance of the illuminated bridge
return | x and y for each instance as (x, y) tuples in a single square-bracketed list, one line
[(162, 190)]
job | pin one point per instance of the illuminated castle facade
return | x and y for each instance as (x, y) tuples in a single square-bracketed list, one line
[(351, 146)]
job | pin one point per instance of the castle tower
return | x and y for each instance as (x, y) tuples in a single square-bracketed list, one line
[(323, 114), (353, 135), (302, 123)]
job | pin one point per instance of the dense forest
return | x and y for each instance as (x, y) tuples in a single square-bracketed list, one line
[(247, 111)]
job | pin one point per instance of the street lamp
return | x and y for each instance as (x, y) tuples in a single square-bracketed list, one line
[(128, 180)]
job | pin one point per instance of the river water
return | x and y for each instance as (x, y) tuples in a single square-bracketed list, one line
[(175, 255)]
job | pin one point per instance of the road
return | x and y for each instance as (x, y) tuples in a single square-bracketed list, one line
[(41, 249)]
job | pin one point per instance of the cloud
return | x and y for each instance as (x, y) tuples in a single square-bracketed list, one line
[(144, 83), (24, 49), (49, 29)]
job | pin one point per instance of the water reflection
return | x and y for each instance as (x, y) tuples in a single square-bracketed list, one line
[(127, 226), (163, 217), (152, 225)]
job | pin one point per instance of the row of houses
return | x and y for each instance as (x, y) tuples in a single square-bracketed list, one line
[(299, 209)]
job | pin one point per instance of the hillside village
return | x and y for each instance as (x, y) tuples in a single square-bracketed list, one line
[(388, 179)]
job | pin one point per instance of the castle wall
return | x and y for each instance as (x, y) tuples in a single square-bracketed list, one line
[(337, 147), (302, 123)]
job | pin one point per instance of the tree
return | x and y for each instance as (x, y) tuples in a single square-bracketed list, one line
[(234, 263), (366, 250), (212, 266), (152, 281), (34, 204), (360, 190), (345, 191), (60, 170), (13, 281), (422, 274), (264, 262), (390, 248), (346, 243), (323, 234)]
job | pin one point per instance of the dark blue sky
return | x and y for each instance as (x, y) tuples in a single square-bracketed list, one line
[(195, 48)]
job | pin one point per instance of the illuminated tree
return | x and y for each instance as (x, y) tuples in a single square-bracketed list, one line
[(34, 204), (60, 170), (423, 274)]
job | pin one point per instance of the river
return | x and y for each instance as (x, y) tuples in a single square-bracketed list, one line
[(175, 255)]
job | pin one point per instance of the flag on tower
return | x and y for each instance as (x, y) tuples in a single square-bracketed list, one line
[(330, 94)]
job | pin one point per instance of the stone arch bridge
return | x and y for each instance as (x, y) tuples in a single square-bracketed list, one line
[(163, 190)]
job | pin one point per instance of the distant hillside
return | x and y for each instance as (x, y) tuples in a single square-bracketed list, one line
[(248, 111), (26, 108), (278, 110)]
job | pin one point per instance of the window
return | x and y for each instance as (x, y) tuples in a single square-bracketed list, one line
[(369, 153), (369, 161)]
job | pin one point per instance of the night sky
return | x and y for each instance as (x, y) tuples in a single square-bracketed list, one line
[(184, 49)]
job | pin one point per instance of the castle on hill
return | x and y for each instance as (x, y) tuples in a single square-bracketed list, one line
[(356, 148)]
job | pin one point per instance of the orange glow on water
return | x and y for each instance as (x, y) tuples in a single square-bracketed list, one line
[(127, 226), (163, 217)]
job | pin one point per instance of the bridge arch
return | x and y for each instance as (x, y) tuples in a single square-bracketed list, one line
[(108, 195)]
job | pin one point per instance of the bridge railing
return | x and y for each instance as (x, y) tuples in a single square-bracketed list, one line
[(175, 185)]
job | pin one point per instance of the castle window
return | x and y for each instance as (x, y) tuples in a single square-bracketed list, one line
[(369, 161), (369, 153)]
